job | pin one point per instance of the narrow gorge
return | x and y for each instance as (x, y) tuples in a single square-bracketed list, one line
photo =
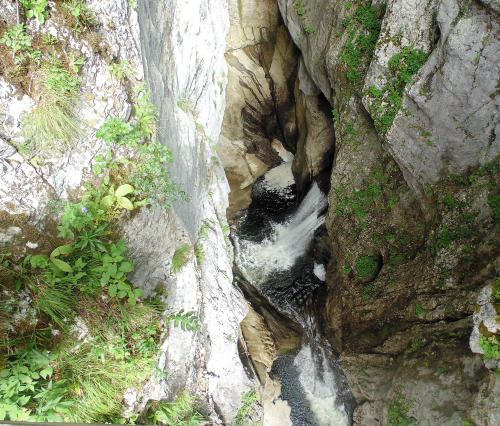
[(250, 212)]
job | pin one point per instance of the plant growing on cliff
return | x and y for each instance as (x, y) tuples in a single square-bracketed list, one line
[(82, 15), (53, 124), (17, 39), (248, 410), (362, 46), (366, 267), (388, 100), (180, 258), (121, 70), (398, 413), (36, 9), (490, 346), (182, 412)]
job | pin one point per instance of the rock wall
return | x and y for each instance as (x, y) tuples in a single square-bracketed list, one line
[(414, 237)]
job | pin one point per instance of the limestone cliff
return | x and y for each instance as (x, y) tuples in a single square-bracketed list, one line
[(412, 217)]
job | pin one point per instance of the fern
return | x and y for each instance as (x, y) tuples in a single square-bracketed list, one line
[(187, 321)]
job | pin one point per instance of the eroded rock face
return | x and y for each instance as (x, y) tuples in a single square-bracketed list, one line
[(390, 184)]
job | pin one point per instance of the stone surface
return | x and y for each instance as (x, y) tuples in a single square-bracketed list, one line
[(389, 321)]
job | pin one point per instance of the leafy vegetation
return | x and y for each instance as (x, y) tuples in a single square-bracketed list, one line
[(16, 39), (84, 17), (121, 70), (491, 346), (36, 9), (150, 176), (358, 51), (398, 413), (178, 413), (388, 100), (249, 408)]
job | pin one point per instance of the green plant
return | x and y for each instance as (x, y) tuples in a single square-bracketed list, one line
[(462, 13), (398, 413), (450, 202), (187, 321), (17, 39), (116, 130), (182, 412), (28, 379), (181, 258), (248, 409), (403, 66), (420, 310), (121, 70), (118, 197), (310, 30), (36, 9), (146, 113), (366, 267), (49, 39), (185, 104), (199, 253), (54, 122), (362, 46), (490, 346), (134, 4), (84, 17)]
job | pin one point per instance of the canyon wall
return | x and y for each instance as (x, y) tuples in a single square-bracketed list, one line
[(413, 89)]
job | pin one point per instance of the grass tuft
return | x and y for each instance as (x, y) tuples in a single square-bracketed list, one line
[(53, 124), (181, 258)]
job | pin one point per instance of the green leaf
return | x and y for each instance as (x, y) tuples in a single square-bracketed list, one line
[(62, 250), (112, 269), (112, 290), (126, 266), (2, 413), (37, 260), (138, 292), (124, 190), (122, 294), (107, 201), (99, 158), (104, 279), (123, 286), (63, 266), (132, 301), (97, 169), (125, 203), (46, 372), (106, 180)]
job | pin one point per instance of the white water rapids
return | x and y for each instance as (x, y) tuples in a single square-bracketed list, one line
[(278, 252), (286, 243)]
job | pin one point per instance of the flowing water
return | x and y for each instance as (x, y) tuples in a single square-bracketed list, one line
[(273, 251)]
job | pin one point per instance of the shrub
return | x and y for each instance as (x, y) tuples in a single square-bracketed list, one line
[(366, 267)]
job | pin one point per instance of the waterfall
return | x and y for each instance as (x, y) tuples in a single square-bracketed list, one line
[(287, 241), (318, 381)]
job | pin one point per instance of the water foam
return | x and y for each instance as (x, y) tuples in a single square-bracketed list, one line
[(320, 388), (286, 243)]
